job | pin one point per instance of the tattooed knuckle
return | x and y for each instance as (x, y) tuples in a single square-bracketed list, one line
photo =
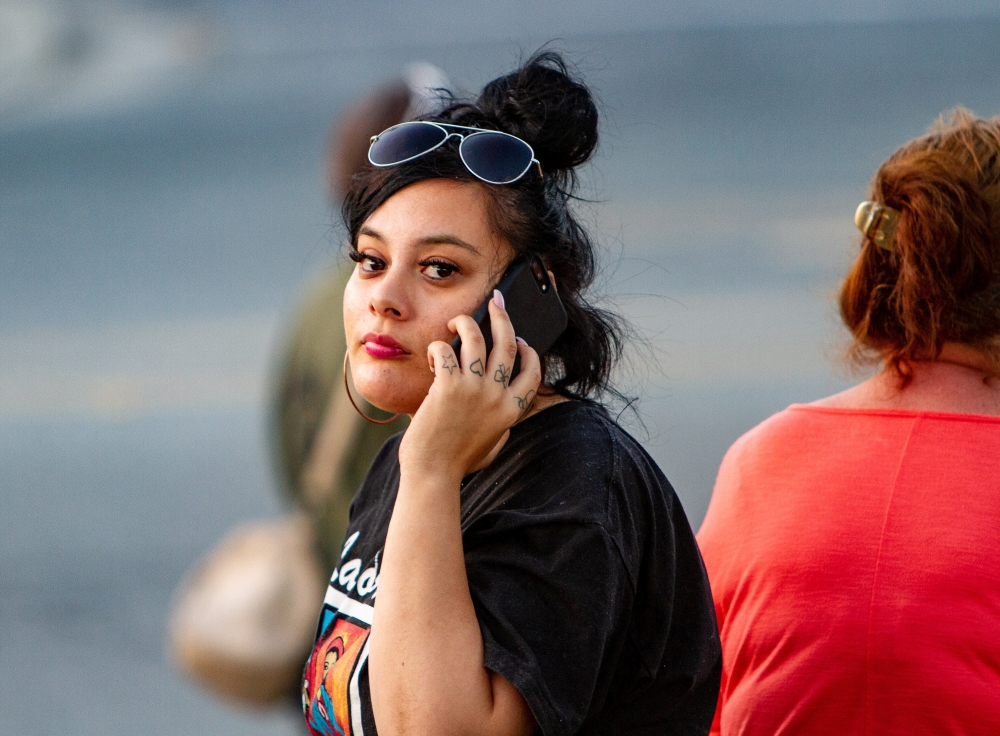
[(502, 374)]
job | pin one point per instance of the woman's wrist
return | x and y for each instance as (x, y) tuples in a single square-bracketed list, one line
[(425, 478)]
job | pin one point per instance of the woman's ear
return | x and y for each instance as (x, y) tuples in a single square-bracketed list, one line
[(552, 278)]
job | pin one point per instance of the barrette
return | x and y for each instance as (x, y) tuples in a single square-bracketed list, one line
[(878, 223)]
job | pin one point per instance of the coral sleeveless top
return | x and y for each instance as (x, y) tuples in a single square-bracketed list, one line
[(854, 557)]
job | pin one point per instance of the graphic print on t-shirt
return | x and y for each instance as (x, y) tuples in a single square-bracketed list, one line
[(331, 696)]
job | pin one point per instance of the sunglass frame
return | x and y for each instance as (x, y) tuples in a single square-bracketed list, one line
[(462, 139)]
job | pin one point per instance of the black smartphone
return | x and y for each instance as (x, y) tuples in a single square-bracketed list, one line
[(532, 304)]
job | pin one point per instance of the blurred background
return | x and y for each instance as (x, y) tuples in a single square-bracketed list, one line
[(162, 204)]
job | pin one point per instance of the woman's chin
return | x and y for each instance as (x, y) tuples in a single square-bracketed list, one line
[(392, 405), (387, 392)]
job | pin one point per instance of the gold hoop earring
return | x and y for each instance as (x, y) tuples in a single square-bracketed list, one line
[(347, 388)]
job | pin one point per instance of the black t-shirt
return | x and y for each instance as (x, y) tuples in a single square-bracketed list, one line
[(586, 579)]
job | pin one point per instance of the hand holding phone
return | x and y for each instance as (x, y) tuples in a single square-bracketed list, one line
[(533, 305)]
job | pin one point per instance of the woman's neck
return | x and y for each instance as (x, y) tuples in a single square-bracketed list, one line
[(545, 398), (964, 356), (957, 381)]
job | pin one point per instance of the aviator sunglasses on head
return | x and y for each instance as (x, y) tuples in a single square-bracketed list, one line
[(492, 156)]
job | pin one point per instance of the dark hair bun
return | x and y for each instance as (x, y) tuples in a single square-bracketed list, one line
[(544, 105)]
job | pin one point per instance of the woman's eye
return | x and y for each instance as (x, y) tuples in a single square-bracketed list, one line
[(368, 262), (438, 270)]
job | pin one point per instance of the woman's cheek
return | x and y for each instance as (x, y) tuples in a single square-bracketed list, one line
[(353, 306)]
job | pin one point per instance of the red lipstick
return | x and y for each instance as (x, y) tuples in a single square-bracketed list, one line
[(382, 346)]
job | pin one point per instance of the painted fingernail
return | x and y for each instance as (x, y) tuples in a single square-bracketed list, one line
[(520, 341), (498, 298)]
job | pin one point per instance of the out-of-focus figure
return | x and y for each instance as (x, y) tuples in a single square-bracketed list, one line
[(323, 445), (852, 543), (245, 618)]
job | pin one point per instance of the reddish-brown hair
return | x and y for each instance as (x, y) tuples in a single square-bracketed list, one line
[(940, 281)]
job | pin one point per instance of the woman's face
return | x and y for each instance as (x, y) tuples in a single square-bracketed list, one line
[(428, 254)]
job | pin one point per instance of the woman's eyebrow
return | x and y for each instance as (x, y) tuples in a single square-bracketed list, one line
[(441, 239), (365, 230), (445, 239)]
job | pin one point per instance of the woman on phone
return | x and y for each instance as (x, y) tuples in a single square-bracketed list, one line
[(515, 563)]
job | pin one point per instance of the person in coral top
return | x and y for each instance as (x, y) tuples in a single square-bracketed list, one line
[(852, 543)]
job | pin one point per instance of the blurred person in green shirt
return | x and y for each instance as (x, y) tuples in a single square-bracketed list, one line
[(322, 446)]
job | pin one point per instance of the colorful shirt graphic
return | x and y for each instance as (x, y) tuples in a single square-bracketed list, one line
[(331, 683)]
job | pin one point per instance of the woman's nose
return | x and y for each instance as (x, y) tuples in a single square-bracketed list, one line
[(388, 298)]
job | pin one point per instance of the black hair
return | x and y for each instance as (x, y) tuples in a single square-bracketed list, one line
[(545, 105)]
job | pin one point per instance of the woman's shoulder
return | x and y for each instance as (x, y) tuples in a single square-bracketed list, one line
[(785, 430), (798, 441), (576, 466), (583, 417), (569, 434), (577, 455), (839, 425)]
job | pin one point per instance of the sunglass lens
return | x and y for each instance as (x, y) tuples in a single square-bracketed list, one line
[(404, 142), (495, 157)]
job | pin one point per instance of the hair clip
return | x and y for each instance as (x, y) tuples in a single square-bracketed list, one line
[(878, 223)]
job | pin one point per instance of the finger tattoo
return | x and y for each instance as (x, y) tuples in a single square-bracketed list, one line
[(477, 367), (502, 375), (449, 364), (524, 402)]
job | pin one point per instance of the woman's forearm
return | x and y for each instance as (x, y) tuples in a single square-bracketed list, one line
[(426, 654)]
